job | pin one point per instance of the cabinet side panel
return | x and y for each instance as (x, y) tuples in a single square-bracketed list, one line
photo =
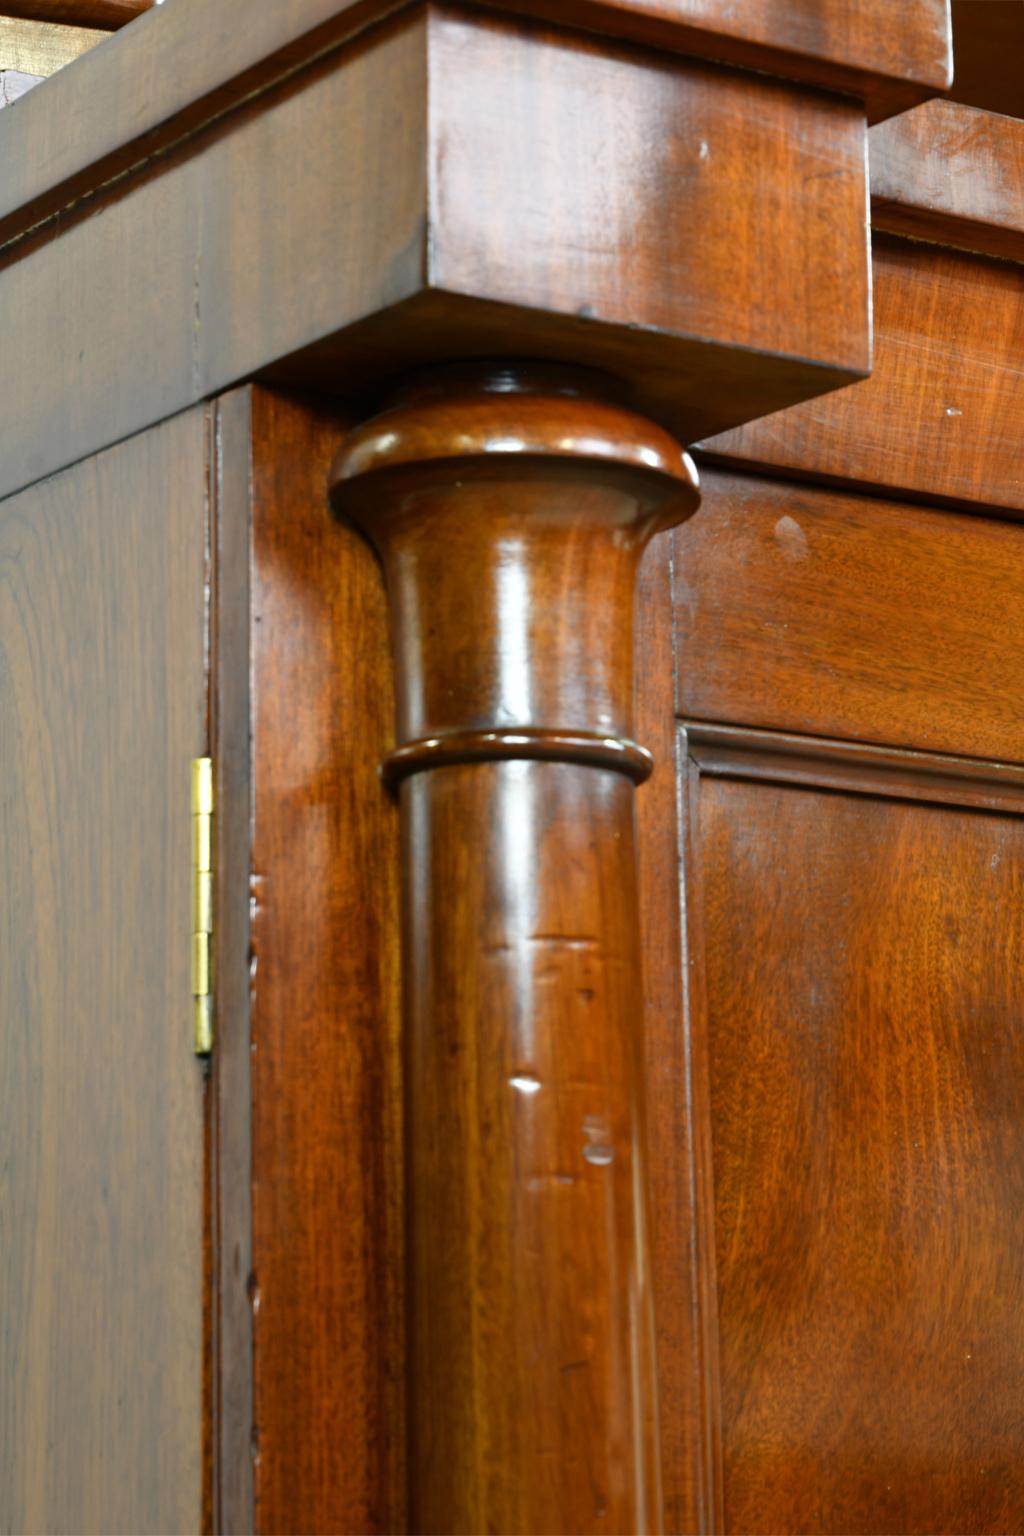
[(102, 706)]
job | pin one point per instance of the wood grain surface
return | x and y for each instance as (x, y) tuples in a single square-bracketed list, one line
[(588, 252), (214, 56), (953, 175), (680, 1206), (863, 982), (680, 148), (890, 56), (781, 757), (103, 702), (230, 1163), (527, 495), (106, 14), (327, 1282), (940, 416), (808, 610)]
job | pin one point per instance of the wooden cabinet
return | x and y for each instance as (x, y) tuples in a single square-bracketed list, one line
[(103, 704), (615, 1116)]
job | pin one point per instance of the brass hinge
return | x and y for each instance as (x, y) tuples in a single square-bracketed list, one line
[(202, 904)]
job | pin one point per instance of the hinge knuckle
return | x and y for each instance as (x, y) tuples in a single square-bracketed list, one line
[(202, 904)]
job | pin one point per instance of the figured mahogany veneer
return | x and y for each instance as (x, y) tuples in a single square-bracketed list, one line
[(325, 1448), (105, 14), (589, 252), (856, 996), (812, 610), (510, 507), (435, 1236), (940, 416), (891, 55), (953, 175)]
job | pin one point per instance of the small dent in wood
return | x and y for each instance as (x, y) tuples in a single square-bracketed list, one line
[(598, 1149), (791, 539)]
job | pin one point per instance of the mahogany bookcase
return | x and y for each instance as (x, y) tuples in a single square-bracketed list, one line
[(600, 918)]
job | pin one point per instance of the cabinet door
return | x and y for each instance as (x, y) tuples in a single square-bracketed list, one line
[(102, 706), (853, 852)]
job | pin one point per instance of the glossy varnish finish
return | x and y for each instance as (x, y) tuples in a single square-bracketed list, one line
[(888, 55), (328, 1435), (953, 175), (128, 111), (677, 145), (940, 416), (608, 157), (102, 703), (679, 1206), (107, 14), (510, 508), (811, 610), (862, 964)]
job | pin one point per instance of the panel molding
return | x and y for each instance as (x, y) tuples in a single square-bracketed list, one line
[(779, 757), (851, 770)]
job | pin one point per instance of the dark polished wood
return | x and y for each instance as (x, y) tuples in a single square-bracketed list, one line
[(105, 14), (952, 175), (809, 610), (229, 1129), (682, 1277), (510, 507), (326, 1287), (589, 253), (861, 986), (889, 56), (940, 416), (686, 1184), (988, 40), (127, 111), (730, 751), (103, 704)]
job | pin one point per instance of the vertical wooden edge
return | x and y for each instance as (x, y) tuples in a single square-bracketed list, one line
[(663, 1062), (699, 1116), (328, 1276), (229, 1109), (676, 1102)]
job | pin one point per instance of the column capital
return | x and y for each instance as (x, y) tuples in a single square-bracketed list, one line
[(510, 504)]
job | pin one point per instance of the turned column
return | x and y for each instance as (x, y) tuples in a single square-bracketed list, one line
[(510, 507)]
